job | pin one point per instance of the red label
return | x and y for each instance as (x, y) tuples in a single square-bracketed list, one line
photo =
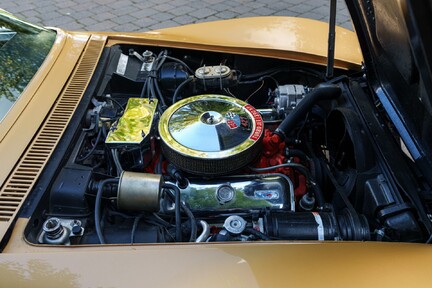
[(259, 124), (231, 124), (244, 122)]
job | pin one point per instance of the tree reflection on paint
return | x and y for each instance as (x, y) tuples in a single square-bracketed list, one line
[(33, 272), (21, 57)]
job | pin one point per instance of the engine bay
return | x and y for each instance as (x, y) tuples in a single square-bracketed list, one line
[(190, 146)]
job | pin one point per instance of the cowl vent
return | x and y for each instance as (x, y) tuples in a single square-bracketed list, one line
[(24, 176)]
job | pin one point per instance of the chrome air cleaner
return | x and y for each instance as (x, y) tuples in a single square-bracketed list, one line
[(211, 134)]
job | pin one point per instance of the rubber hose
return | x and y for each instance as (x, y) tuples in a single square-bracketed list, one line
[(319, 197), (258, 234), (298, 153), (319, 93)]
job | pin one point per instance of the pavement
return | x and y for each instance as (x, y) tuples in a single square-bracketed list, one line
[(144, 15)]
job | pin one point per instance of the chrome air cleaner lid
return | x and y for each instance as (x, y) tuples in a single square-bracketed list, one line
[(211, 134)]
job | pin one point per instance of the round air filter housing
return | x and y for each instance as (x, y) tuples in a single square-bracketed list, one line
[(211, 134)]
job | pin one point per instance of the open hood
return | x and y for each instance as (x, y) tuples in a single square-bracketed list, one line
[(396, 44)]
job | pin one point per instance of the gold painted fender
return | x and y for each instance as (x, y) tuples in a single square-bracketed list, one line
[(290, 38), (232, 264)]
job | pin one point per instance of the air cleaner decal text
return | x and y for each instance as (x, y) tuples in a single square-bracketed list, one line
[(259, 125)]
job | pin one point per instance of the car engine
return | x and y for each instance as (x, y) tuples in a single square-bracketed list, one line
[(191, 146)]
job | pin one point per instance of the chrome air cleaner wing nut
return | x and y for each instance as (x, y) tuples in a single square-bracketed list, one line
[(211, 134)]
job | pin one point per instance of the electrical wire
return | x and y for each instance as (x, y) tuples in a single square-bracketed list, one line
[(151, 87), (159, 164), (161, 59), (134, 227), (297, 166), (256, 80), (93, 147), (228, 91), (117, 213), (253, 93), (303, 126), (186, 210), (159, 93), (98, 201), (144, 89), (181, 62), (177, 91), (177, 201), (114, 101), (277, 70), (119, 169), (192, 222), (162, 221)]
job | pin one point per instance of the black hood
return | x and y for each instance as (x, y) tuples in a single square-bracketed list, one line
[(396, 41)]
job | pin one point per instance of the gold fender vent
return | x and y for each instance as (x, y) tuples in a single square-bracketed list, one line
[(24, 176)]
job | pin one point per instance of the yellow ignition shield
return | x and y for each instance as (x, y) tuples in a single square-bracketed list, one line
[(134, 125)]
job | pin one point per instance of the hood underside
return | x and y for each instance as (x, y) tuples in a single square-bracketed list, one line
[(396, 44)]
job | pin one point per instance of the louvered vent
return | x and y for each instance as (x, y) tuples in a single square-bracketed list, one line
[(24, 176)]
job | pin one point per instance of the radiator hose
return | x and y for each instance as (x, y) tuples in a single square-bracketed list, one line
[(320, 92)]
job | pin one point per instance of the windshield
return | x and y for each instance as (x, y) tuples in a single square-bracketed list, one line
[(23, 48)]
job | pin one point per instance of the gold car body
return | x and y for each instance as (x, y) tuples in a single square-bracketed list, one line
[(28, 136)]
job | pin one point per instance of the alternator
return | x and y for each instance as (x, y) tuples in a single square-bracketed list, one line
[(287, 97)]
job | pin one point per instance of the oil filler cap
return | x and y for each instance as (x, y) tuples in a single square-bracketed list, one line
[(225, 193)]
